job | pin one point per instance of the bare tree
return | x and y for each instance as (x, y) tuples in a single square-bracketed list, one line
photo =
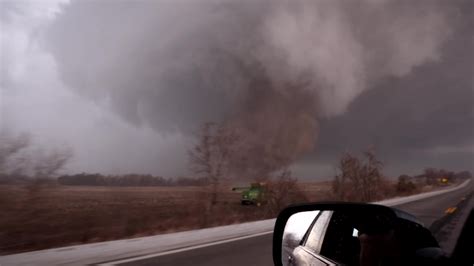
[(209, 158), (358, 180), (371, 176), (282, 191), (348, 180)]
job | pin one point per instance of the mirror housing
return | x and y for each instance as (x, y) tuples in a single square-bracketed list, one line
[(352, 224)]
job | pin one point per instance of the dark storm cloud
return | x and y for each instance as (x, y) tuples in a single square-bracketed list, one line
[(425, 119), (151, 60), (271, 69)]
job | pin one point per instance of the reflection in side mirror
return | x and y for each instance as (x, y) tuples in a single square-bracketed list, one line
[(295, 229), (348, 234)]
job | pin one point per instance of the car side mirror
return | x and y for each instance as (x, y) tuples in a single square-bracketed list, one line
[(346, 233)]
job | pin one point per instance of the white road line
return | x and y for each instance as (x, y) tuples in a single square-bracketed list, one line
[(182, 249)]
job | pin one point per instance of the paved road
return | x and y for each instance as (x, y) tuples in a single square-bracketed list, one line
[(431, 209), (258, 250), (251, 251)]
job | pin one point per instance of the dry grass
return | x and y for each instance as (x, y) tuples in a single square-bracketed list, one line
[(45, 216), (317, 191), (49, 216)]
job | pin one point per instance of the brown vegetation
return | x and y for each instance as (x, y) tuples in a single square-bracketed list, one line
[(210, 157), (282, 191), (431, 178), (359, 179), (42, 215), (48, 215), (362, 180)]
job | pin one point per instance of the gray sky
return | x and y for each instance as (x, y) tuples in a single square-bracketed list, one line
[(126, 83)]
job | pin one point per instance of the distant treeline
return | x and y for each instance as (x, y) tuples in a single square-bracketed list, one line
[(85, 179), (431, 177)]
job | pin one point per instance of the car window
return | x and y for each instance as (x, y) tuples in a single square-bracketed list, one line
[(315, 237)]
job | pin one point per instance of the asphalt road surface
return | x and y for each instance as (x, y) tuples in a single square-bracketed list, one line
[(258, 250)]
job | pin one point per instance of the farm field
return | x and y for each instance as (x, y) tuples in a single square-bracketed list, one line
[(40, 217)]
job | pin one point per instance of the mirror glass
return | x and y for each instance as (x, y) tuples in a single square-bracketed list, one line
[(329, 237), (295, 229)]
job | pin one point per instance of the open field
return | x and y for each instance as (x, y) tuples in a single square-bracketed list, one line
[(39, 217)]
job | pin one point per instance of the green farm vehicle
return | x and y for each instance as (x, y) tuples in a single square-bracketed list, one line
[(254, 195)]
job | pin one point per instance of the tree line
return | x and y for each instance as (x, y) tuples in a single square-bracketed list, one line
[(430, 177), (86, 179), (362, 179)]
